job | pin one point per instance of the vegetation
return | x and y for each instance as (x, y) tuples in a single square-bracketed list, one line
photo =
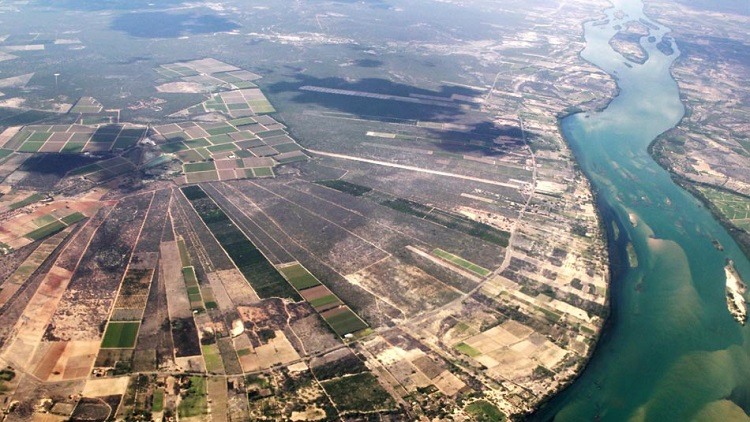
[(299, 276), (346, 187), (360, 392), (26, 201), (484, 411), (452, 221), (194, 400), (349, 364), (260, 273), (476, 269), (467, 350), (120, 335), (345, 322), (47, 230), (158, 400), (212, 358)]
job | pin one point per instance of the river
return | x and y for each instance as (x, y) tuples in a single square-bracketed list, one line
[(671, 351)]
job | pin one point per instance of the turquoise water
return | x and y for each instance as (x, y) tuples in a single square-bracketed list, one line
[(671, 351)]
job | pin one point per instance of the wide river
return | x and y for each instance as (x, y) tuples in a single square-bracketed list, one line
[(672, 351)]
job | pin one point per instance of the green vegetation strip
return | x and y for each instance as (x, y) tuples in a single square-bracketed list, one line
[(261, 274), (447, 219), (54, 225), (345, 322), (324, 301), (73, 218), (120, 335), (360, 392), (45, 231), (484, 411), (467, 350), (194, 403), (26, 201), (195, 167), (157, 405), (212, 357), (452, 221), (299, 277), (476, 269), (346, 187)]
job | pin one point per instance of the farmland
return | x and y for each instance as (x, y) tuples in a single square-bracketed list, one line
[(213, 231), (264, 278), (120, 335)]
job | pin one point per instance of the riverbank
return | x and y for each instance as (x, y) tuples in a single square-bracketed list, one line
[(739, 235)]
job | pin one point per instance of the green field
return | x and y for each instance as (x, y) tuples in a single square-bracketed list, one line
[(73, 218), (484, 411), (476, 269), (189, 274), (120, 335), (299, 276), (345, 322), (44, 220), (265, 279), (222, 148), (173, 147), (324, 301), (157, 404), (195, 402), (195, 167), (30, 146), (45, 231), (360, 392), (262, 172), (221, 130), (346, 187), (212, 357), (735, 208), (26, 201), (467, 350)]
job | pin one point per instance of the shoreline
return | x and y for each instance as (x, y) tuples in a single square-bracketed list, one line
[(655, 151), (609, 242)]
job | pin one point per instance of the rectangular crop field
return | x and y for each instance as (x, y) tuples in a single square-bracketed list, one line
[(120, 335), (299, 276), (195, 402), (45, 231), (360, 392), (457, 260), (212, 357), (343, 321), (261, 274)]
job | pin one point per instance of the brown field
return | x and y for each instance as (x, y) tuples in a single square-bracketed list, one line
[(318, 292), (42, 306), (237, 287), (31, 264), (220, 295), (106, 387), (178, 302), (513, 350), (406, 287), (278, 351), (218, 398), (67, 360), (48, 360), (132, 302)]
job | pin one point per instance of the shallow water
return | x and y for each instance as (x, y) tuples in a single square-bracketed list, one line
[(671, 350)]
